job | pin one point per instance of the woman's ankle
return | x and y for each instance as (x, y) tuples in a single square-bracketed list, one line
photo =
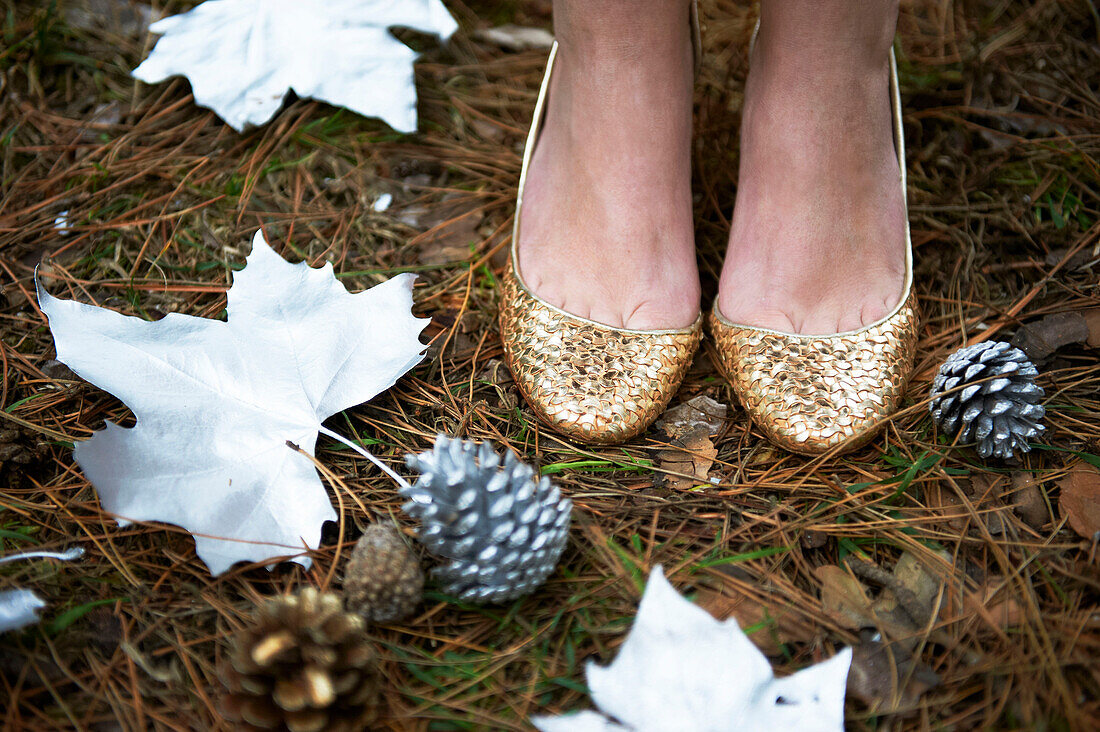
[(834, 38), (613, 32)]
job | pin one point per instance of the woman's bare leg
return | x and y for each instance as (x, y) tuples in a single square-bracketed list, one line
[(606, 229), (817, 242)]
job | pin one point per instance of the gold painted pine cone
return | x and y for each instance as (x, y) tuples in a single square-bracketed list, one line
[(302, 665), (383, 581), (589, 381), (809, 394)]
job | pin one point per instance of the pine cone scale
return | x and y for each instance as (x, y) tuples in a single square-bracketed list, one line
[(307, 720), (269, 648), (261, 713), (290, 695)]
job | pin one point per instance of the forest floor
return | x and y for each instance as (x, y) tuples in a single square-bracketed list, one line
[(131, 197)]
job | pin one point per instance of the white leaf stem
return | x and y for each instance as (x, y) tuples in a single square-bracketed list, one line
[(365, 453), (68, 555)]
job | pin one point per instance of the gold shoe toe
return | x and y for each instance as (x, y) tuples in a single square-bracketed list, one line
[(810, 394), (590, 381)]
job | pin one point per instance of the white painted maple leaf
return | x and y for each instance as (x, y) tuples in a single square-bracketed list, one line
[(680, 669), (216, 402), (242, 56), (18, 607)]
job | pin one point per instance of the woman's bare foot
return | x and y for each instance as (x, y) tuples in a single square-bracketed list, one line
[(817, 244), (606, 231)]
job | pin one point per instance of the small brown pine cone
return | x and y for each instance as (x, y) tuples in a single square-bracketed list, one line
[(302, 665), (383, 581), (22, 451)]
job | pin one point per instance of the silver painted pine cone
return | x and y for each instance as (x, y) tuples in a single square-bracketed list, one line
[(1001, 412), (502, 530)]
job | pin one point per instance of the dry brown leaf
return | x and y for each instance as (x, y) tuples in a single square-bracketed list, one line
[(700, 411), (906, 604), (498, 374), (774, 624), (921, 587), (451, 241), (942, 497), (1004, 612), (1080, 500), (448, 227), (886, 678), (1082, 260), (690, 455), (1043, 337), (1027, 500), (843, 598), (985, 492), (1092, 320), (985, 487)]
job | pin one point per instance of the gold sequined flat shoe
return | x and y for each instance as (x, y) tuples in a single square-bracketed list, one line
[(590, 381), (811, 394)]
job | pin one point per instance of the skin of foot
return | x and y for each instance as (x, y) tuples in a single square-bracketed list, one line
[(606, 230), (817, 243)]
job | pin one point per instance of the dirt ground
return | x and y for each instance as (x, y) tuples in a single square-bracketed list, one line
[(967, 587)]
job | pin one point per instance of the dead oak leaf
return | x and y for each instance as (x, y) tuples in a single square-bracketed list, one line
[(843, 598), (690, 458), (769, 625), (991, 603), (1027, 499), (699, 411), (1040, 339), (906, 603), (1080, 500), (887, 678), (910, 592)]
